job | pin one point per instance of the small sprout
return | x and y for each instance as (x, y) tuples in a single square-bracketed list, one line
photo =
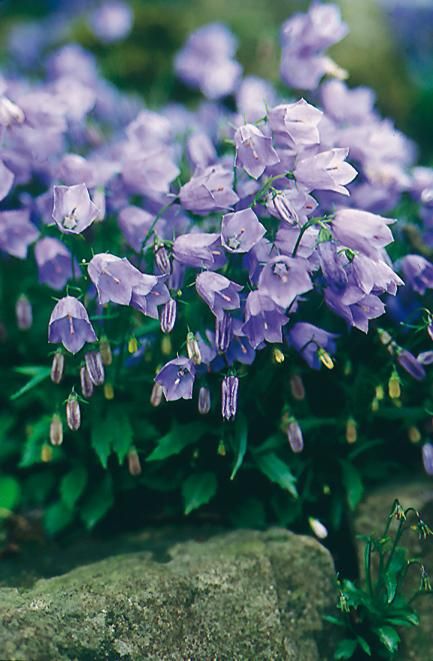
[(425, 582), (423, 529), (397, 512)]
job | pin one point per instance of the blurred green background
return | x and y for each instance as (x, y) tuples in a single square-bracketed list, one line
[(390, 47)]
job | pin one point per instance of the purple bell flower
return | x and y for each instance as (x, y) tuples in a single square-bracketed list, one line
[(16, 232), (308, 340), (54, 262), (177, 379), (209, 190), (199, 250), (327, 170), (412, 366), (417, 272), (264, 320), (362, 230), (295, 124), (114, 278), (254, 151), (283, 278), (73, 209), (355, 307), (200, 150), (135, 224), (69, 323), (168, 316), (241, 230), (149, 293), (292, 205), (218, 292)]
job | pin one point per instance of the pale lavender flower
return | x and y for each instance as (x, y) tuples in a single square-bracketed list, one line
[(135, 224), (241, 230), (229, 397), (112, 21), (417, 272), (355, 307), (375, 276), (73, 209), (209, 190), (24, 312), (362, 230), (114, 278), (292, 205), (200, 150), (149, 293), (85, 382), (264, 320), (253, 96), (150, 172), (218, 292), (54, 262), (347, 105), (16, 232), (427, 458), (327, 170), (283, 278), (200, 250), (204, 401), (295, 124), (254, 151), (69, 323), (6, 180), (177, 379)]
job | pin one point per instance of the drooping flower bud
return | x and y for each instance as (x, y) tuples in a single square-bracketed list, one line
[(221, 449), (73, 413), (411, 365), (318, 528), (229, 397), (325, 358), (278, 356), (56, 430), (162, 260), (95, 367), (427, 458), (384, 336), (105, 350), (108, 391), (394, 390), (46, 453), (223, 332), (204, 400), (193, 349), (57, 366), (24, 313), (425, 582), (134, 464), (168, 316), (294, 436), (86, 384), (156, 394), (414, 434), (297, 387), (166, 345), (132, 345), (351, 430)]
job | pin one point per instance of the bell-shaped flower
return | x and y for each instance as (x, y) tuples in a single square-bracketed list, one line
[(16, 232), (295, 124), (200, 250), (362, 230), (114, 278), (417, 272), (283, 278), (309, 341), (218, 292), (254, 150), (54, 262), (327, 170), (177, 379), (73, 209), (148, 293), (69, 324), (264, 320), (241, 230), (209, 190)]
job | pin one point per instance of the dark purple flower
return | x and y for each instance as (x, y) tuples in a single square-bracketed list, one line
[(254, 151), (418, 273), (54, 262), (241, 230), (327, 170), (283, 278), (295, 124), (309, 341), (16, 232), (427, 458), (114, 278), (73, 209), (95, 367), (209, 190), (177, 379), (218, 292), (229, 397), (362, 230), (411, 365), (264, 320), (199, 250), (69, 323)]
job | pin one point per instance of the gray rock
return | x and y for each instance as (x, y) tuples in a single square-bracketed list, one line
[(417, 642), (237, 595)]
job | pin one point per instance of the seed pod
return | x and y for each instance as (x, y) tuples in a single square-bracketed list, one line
[(318, 528), (57, 367), (351, 431), (229, 397), (278, 356), (108, 391), (105, 350), (132, 345), (56, 430), (73, 413), (95, 367), (204, 400), (223, 332), (156, 395), (24, 313), (427, 458), (193, 349), (162, 260), (294, 436), (394, 386), (168, 316), (297, 387), (134, 464), (86, 384)]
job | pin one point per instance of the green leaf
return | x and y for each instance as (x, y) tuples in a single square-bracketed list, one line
[(334, 620), (57, 517), (389, 638), (122, 435), (345, 649), (39, 434), (241, 439), (352, 483), (396, 565), (40, 374), (277, 471), (72, 486), (97, 503), (177, 439), (197, 490), (100, 438), (364, 645), (409, 619), (10, 492)]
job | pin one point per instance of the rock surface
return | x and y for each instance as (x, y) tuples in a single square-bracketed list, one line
[(417, 642), (236, 595)]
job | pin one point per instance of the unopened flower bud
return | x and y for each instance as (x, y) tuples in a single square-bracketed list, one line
[(168, 316), (57, 367), (397, 512), (423, 529), (278, 356), (24, 313), (394, 390), (425, 582), (221, 450), (380, 393), (204, 400), (95, 367), (427, 458), (325, 358), (108, 391), (162, 260), (166, 345), (223, 332), (318, 528), (56, 430), (414, 434), (156, 395), (351, 431), (384, 336), (132, 345), (193, 349), (86, 384), (229, 397), (73, 413), (134, 464), (105, 350), (294, 436), (297, 387), (46, 453)]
